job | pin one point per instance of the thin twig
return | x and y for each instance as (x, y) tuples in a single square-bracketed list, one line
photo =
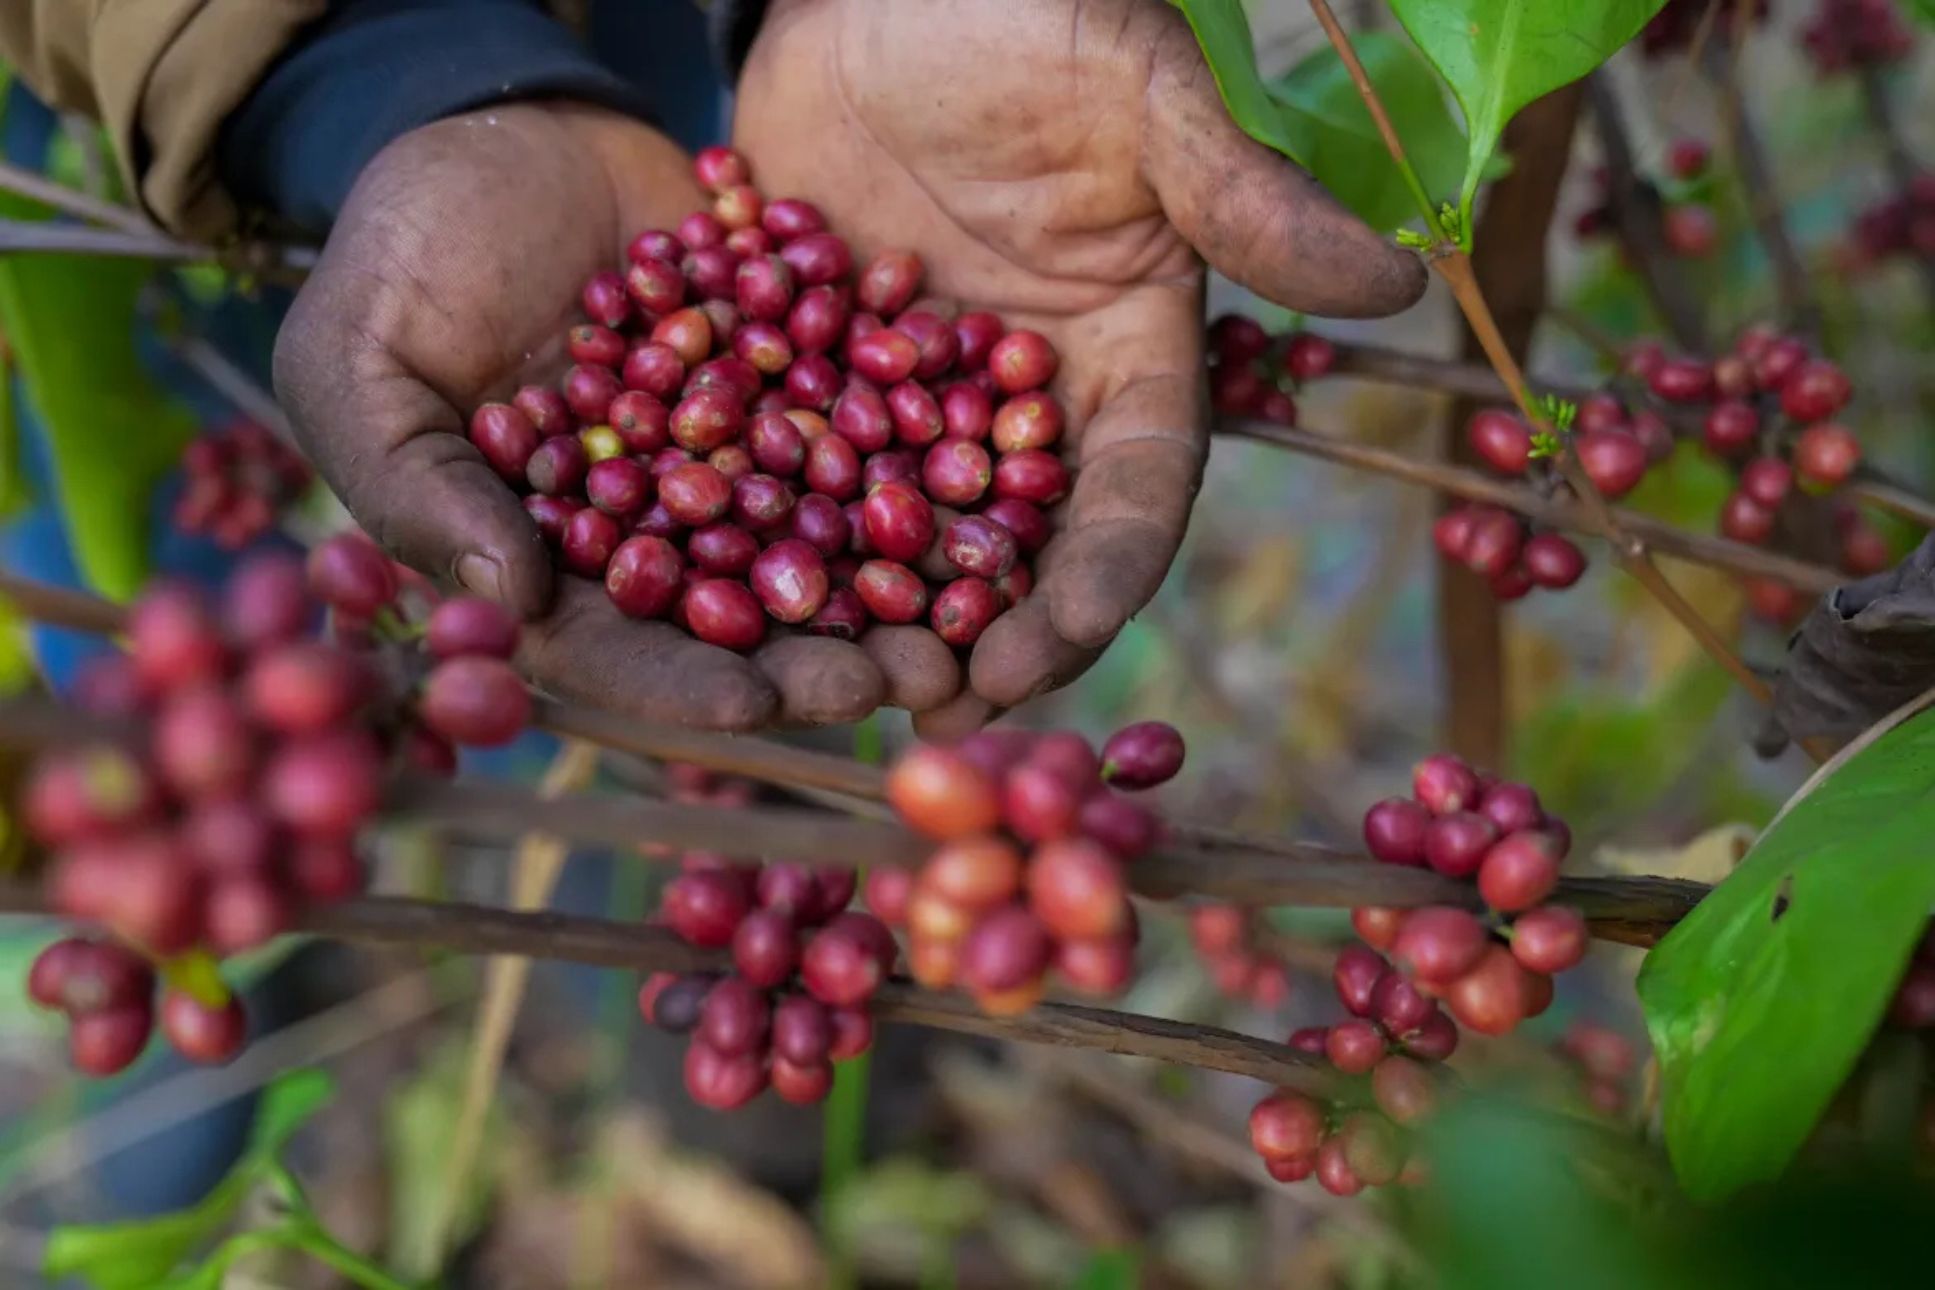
[(1637, 217), (1798, 309), (1698, 548), (69, 201), (1635, 911), (31, 236)]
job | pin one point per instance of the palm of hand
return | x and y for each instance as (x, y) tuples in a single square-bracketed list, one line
[(1061, 164)]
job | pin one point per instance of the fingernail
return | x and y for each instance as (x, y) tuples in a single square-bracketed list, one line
[(482, 575)]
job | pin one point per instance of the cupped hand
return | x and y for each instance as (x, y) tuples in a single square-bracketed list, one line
[(450, 279), (1069, 165)]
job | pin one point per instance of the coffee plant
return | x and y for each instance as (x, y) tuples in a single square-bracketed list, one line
[(764, 426)]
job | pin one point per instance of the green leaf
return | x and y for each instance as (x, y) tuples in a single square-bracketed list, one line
[(140, 1254), (1223, 30), (1499, 55), (1341, 145), (1760, 1003), (1922, 11), (112, 431)]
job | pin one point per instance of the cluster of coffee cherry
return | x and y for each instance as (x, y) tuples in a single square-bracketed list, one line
[(248, 755), (1686, 219), (1252, 374), (1029, 875), (1239, 964), (1899, 226), (237, 478), (1603, 1059), (803, 968), (1490, 974), (752, 431), (1851, 35)]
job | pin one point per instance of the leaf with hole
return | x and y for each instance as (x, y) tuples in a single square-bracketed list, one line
[(1762, 1001), (1499, 55)]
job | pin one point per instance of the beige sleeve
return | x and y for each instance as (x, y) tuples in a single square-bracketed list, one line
[(161, 75)]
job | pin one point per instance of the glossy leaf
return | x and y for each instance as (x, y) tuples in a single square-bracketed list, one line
[(1342, 147), (111, 430), (288, 1104), (1760, 1003), (1223, 30), (1499, 55)]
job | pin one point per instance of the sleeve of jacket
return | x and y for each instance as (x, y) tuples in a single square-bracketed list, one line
[(162, 76)]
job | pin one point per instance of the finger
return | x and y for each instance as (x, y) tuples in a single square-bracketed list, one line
[(396, 453), (1252, 213), (820, 681), (587, 651), (1141, 462), (921, 671), (1021, 656), (956, 719)]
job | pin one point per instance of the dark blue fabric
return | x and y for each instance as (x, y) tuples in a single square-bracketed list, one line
[(372, 70)]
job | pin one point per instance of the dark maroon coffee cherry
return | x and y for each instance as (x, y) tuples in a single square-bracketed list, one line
[(707, 418), (832, 468), (1730, 428), (546, 410), (963, 610), (1782, 357), (1286, 1126), (1118, 824), (476, 700), (1815, 391), (1439, 943), (843, 617), (899, 521), (916, 414), (1501, 439), (644, 577), (600, 346), (588, 392), (1550, 939), (558, 467), (1455, 844), (979, 546), (817, 321), (347, 572), (1519, 871), (1444, 784), (891, 592), (1022, 361), (1308, 357), (1394, 831), (506, 437), (590, 536), (1511, 807), (1552, 561), (724, 613), (1433, 1041), (1030, 476), (695, 494), (761, 504), (720, 1082), (1493, 542), (604, 300), (735, 1016), (1745, 520), (789, 577), (1355, 974), (619, 487), (763, 288), (1600, 411), (1825, 455), (934, 340), (107, 1042), (1767, 480), (966, 412), (957, 472), (821, 523), (841, 967), (1354, 1046), (1397, 1005), (1613, 460), (1029, 525), (1682, 380), (653, 368), (1142, 755), (1006, 950), (802, 1030), (817, 259)]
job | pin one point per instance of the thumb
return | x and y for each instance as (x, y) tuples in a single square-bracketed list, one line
[(1251, 212), (395, 451)]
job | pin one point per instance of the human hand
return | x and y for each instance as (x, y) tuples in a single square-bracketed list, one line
[(1069, 165), (450, 279)]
